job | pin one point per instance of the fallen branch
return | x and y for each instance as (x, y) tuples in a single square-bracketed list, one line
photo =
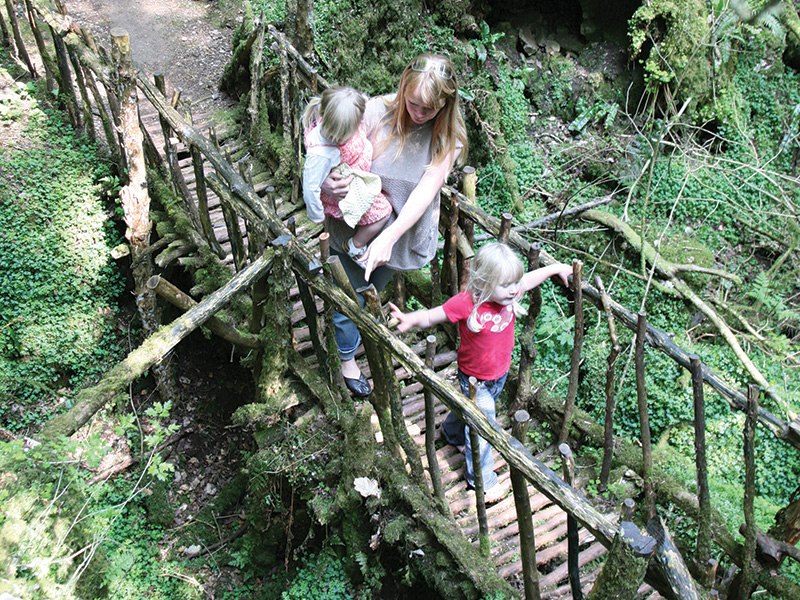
[(670, 271), (226, 331)]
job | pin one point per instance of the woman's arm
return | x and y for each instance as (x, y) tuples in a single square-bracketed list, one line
[(380, 249), (419, 318), (533, 279)]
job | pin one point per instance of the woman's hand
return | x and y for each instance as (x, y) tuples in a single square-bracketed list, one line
[(378, 253), (336, 185)]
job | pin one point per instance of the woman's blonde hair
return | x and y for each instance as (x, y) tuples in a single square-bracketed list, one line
[(339, 110), (433, 77), (494, 264)]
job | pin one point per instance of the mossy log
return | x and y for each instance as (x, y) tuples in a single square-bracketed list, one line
[(668, 490), (670, 563), (625, 566), (481, 572), (152, 350), (217, 326)]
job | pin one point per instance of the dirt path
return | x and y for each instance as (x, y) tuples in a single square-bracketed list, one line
[(189, 40)]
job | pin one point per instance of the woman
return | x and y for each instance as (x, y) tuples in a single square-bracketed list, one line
[(418, 134)]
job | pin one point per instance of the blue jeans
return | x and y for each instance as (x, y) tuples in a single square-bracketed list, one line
[(456, 432), (347, 336)]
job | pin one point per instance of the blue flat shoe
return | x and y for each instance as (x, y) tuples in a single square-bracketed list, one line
[(359, 387)]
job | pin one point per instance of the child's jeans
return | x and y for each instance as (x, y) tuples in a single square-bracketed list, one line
[(456, 432)]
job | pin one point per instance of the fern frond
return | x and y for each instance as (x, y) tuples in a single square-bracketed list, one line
[(771, 21)]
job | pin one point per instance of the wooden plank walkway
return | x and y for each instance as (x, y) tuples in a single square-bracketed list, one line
[(550, 522)]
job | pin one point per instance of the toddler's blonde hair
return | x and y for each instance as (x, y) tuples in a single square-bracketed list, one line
[(339, 110), (494, 264)]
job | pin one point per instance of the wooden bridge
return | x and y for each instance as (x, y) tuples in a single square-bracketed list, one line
[(235, 214)]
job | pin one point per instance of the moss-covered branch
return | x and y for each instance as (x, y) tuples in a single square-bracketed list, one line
[(154, 348)]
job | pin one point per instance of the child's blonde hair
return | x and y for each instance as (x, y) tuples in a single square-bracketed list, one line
[(339, 110), (494, 264)]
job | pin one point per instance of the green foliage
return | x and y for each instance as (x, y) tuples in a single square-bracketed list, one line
[(588, 114), (667, 37), (49, 546), (58, 283), (322, 577), (367, 44)]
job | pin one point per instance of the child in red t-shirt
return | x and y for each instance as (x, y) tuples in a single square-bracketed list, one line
[(485, 313)]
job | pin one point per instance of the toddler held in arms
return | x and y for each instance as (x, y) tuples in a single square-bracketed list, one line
[(485, 313), (335, 140)]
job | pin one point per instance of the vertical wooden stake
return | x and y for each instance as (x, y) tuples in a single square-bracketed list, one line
[(430, 425), (400, 290), (644, 418), (312, 320), (324, 246), (702, 552), (527, 332), (522, 503), (505, 228), (111, 138), (611, 403), (453, 284), (202, 201), (177, 180), (50, 68), (573, 544), (86, 106), (67, 91), (469, 185), (742, 585), (575, 365), (385, 384), (22, 52), (5, 37), (136, 202), (477, 474)]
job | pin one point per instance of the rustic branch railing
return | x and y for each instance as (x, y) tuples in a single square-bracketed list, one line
[(92, 69)]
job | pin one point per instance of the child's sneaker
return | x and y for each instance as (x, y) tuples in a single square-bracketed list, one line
[(352, 251)]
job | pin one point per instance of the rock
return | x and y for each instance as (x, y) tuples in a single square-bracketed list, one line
[(529, 44), (552, 47)]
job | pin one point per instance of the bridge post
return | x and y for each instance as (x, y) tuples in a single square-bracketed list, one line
[(573, 544), (477, 474), (135, 202), (611, 403), (386, 392), (572, 388), (469, 184), (702, 551), (526, 334), (644, 418), (522, 502), (430, 425)]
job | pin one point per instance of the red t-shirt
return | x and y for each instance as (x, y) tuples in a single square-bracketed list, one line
[(485, 354)]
